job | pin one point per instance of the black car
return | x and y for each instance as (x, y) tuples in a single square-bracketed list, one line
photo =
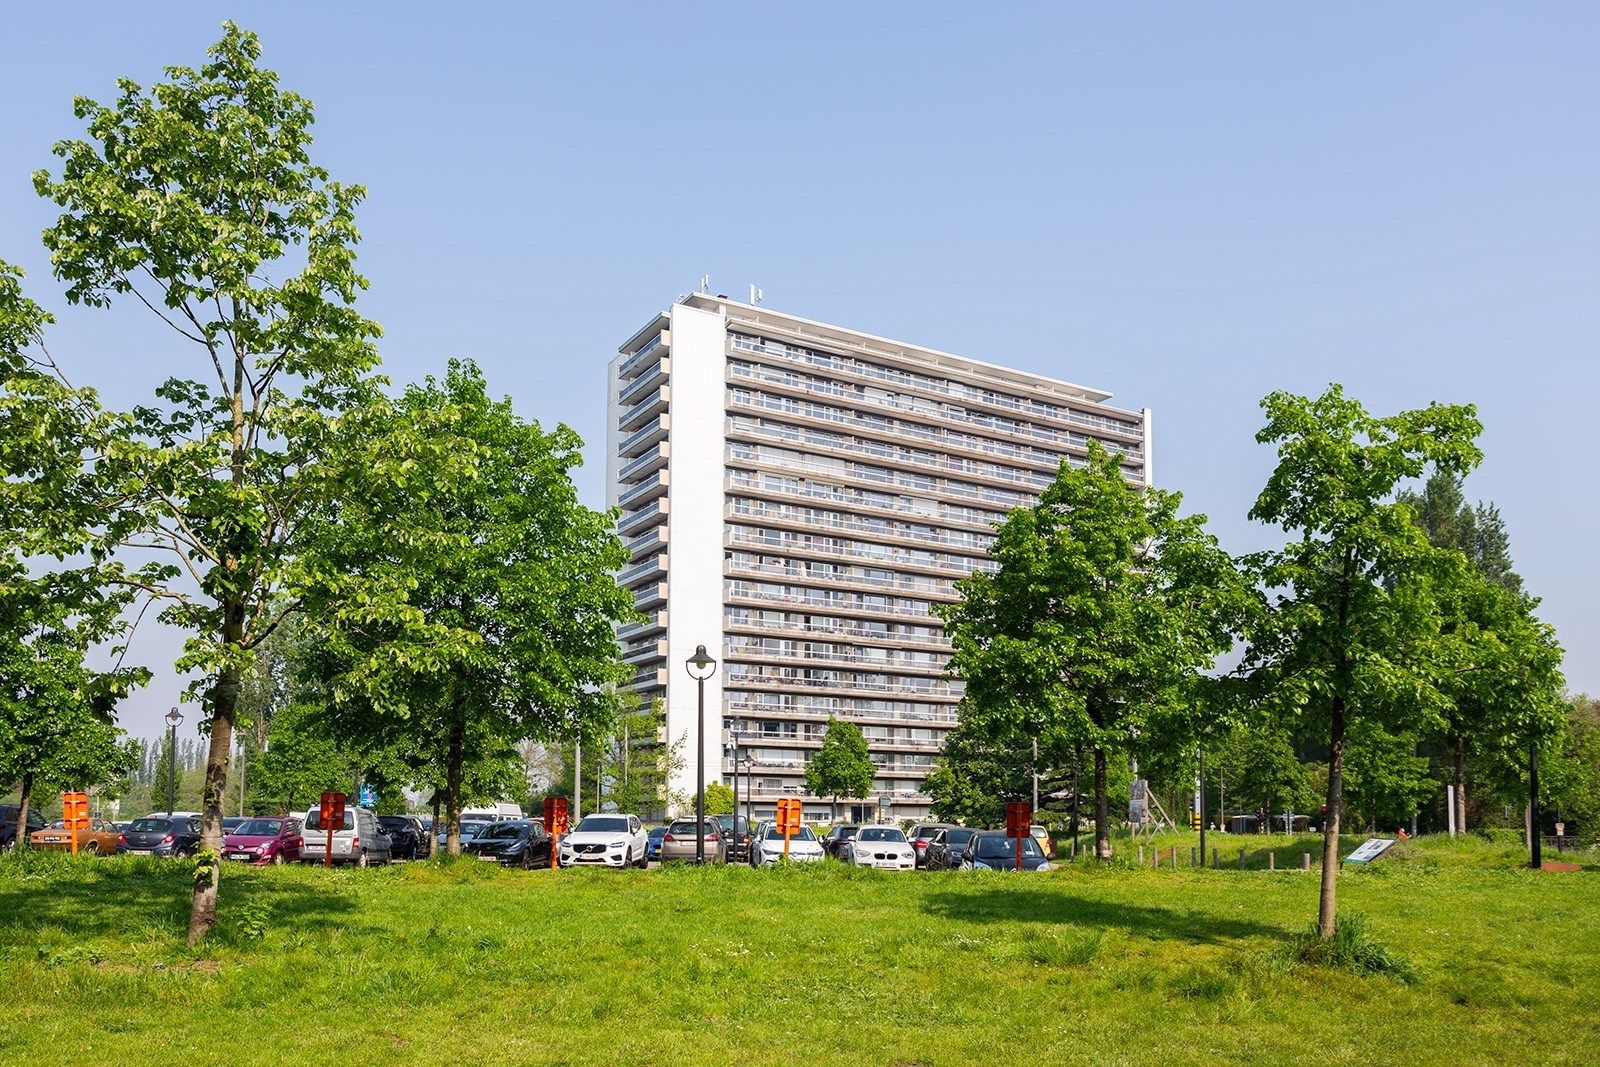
[(947, 848), (8, 824), (994, 850), (738, 840), (514, 842), (160, 835), (406, 836), (836, 836), (921, 834)]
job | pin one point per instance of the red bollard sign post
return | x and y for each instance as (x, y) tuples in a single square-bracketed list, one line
[(555, 824), (788, 820), (332, 815), (1019, 824), (75, 817)]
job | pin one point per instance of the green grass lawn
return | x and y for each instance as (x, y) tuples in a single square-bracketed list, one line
[(434, 963)]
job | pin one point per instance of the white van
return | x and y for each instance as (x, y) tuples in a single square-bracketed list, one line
[(493, 812), (360, 840)]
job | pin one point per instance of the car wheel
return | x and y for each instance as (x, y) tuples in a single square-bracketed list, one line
[(92, 847), (527, 859), (644, 861), (277, 859), (362, 860)]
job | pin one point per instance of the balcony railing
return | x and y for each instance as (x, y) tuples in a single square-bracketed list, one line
[(645, 382), (650, 351), (645, 435)]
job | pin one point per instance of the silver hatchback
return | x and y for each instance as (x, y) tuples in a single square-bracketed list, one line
[(680, 842)]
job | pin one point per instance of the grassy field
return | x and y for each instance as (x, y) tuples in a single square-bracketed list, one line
[(435, 963)]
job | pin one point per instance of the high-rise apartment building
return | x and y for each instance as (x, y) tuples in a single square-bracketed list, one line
[(798, 498)]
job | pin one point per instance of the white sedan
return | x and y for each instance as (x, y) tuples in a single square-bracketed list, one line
[(768, 846), (882, 847), (605, 841)]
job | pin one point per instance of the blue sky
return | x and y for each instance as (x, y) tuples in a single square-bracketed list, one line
[(1186, 206)]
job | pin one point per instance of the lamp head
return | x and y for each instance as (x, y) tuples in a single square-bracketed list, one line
[(174, 717), (701, 665)]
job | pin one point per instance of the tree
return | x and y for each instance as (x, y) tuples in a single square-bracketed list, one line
[(197, 199), (977, 772), (1351, 627), (1260, 762), (842, 766), (465, 598), (720, 799), (56, 712), (1105, 607), (644, 763)]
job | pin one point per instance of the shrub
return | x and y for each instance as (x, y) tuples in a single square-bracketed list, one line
[(1351, 948)]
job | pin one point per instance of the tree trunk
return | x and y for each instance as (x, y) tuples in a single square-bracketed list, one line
[(1102, 813), (20, 842), (1330, 827), (1461, 783), (433, 831), (224, 701), (452, 787)]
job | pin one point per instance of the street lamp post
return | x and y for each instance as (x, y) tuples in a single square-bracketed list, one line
[(701, 666), (1536, 857), (174, 717)]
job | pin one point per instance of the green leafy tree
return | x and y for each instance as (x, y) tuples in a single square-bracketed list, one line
[(57, 713), (1352, 626), (978, 772), (842, 766), (469, 597), (1266, 774), (1385, 780), (1105, 607), (1571, 779), (643, 763), (720, 799), (197, 198)]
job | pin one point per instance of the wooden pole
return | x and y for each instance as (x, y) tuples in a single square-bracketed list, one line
[(1305, 861)]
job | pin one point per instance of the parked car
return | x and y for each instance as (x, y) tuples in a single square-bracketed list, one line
[(607, 840), (261, 841), (680, 842), (98, 837), (1042, 836), (407, 840), (880, 846), (358, 840), (836, 836), (232, 823), (766, 847), (993, 850), (737, 830), (652, 842), (468, 828), (513, 842), (8, 823), (947, 849), (162, 835), (921, 834)]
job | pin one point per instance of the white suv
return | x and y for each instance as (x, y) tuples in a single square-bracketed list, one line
[(605, 840)]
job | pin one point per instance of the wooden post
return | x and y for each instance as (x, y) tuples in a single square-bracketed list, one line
[(1194, 857), (1141, 855), (1174, 857), (1305, 861), (1241, 859), (1272, 860), (1216, 863)]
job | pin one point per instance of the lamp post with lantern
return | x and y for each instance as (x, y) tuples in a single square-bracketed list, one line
[(701, 666)]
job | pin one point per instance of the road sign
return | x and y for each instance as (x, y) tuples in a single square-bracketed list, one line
[(555, 824), (74, 817), (332, 815), (788, 819), (1139, 802)]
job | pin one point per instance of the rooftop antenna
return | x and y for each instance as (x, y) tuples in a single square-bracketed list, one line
[(705, 283), (755, 294)]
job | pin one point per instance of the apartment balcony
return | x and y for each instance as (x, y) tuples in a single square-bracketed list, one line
[(649, 434), (654, 486), (652, 567), (841, 687), (651, 650), (872, 555), (650, 596), (741, 591), (928, 587), (650, 678), (652, 460), (645, 382), (646, 356), (649, 515), (655, 622), (936, 642), (652, 405), (746, 708), (653, 539), (852, 659)]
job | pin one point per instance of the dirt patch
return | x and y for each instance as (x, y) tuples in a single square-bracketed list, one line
[(1560, 868)]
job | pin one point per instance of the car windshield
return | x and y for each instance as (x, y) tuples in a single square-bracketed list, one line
[(842, 832), (149, 826), (314, 820), (394, 822), (802, 834), (259, 828), (657, 833), (997, 847), (925, 832), (604, 824), (470, 829), (502, 831), (958, 837), (687, 826), (882, 833)]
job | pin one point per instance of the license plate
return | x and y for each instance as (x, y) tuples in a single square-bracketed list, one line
[(53, 840), (238, 855), (490, 859), (138, 852)]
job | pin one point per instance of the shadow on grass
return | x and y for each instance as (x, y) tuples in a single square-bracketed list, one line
[(1036, 905), (109, 901)]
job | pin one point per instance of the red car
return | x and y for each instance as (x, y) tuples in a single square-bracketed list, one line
[(263, 840)]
